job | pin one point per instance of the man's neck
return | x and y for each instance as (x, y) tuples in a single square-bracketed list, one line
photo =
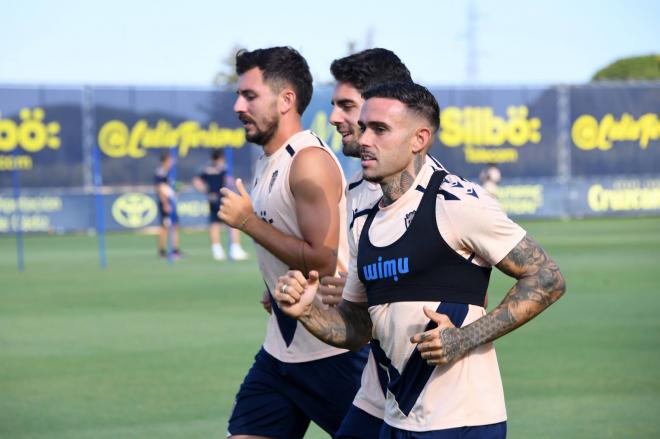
[(283, 133), (397, 185)]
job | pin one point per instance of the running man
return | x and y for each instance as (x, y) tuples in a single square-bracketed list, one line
[(295, 213)]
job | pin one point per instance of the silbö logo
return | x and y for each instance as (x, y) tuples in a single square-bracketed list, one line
[(385, 269)]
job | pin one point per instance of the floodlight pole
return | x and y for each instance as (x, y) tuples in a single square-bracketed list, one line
[(90, 144), (173, 213), (18, 228)]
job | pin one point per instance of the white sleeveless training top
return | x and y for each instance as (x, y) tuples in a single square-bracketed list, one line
[(272, 199)]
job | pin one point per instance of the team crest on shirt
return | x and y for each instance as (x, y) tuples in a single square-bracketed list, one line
[(264, 216), (409, 217), (272, 180)]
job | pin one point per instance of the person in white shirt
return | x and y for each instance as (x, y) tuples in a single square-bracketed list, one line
[(295, 213)]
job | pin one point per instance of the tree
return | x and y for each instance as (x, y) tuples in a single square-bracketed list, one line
[(637, 67), (227, 75)]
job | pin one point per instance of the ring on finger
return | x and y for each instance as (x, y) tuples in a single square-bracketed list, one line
[(283, 288)]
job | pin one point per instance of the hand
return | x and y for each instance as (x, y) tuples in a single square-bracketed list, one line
[(331, 288), (295, 294), (440, 345), (266, 303), (235, 208)]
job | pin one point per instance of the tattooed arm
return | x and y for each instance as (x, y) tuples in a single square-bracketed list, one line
[(540, 284), (347, 325)]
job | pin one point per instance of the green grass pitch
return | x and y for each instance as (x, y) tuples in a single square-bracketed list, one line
[(144, 349)]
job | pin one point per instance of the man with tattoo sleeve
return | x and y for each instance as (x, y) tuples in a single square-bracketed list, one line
[(423, 265), (355, 74)]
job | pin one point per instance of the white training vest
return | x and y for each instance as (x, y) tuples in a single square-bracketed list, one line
[(286, 339)]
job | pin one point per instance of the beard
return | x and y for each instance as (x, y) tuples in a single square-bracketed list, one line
[(352, 148), (373, 178), (261, 135)]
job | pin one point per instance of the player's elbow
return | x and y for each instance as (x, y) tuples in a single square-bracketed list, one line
[(325, 262), (329, 269), (357, 322), (560, 285), (553, 282)]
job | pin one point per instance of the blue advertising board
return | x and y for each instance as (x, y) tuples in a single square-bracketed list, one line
[(563, 152)]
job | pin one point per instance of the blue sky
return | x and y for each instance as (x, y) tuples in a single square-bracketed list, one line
[(182, 43)]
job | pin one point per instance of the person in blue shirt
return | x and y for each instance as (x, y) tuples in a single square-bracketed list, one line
[(213, 176)]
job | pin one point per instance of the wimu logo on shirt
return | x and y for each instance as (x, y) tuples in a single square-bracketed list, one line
[(386, 269)]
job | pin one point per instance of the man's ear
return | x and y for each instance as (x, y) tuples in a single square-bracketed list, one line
[(422, 138), (287, 100)]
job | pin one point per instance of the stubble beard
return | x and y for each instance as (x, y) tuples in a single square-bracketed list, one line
[(263, 136), (351, 149), (373, 179)]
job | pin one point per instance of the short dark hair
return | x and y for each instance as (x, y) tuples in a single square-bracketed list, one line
[(280, 65), (415, 97), (370, 67), (217, 154), (164, 156)]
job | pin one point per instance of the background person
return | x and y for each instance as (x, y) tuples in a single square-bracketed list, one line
[(211, 178), (166, 195)]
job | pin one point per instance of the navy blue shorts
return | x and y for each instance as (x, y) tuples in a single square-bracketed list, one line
[(358, 424), (279, 399), (214, 208), (491, 431)]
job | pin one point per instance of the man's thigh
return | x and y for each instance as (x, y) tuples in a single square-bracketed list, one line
[(279, 399), (262, 407)]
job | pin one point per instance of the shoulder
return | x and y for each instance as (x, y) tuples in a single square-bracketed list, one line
[(464, 202), (304, 139), (306, 148), (464, 192), (434, 163), (314, 171), (470, 208), (315, 164), (470, 219), (355, 180)]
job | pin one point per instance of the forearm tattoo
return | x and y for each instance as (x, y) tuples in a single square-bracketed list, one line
[(348, 325), (540, 284)]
